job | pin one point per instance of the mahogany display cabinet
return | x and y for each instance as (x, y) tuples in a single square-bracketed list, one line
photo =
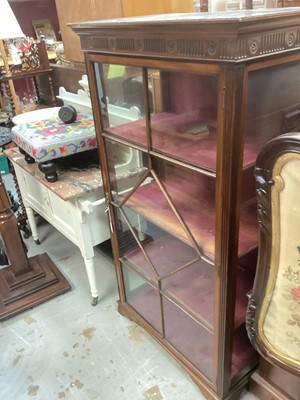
[(201, 95)]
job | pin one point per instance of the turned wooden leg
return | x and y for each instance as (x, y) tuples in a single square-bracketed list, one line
[(90, 269), (28, 158), (32, 224), (49, 169)]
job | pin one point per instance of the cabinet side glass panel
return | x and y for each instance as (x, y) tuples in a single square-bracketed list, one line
[(273, 106), (184, 115), (243, 353), (122, 101)]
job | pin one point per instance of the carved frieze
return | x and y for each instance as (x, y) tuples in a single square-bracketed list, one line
[(213, 48), (225, 36)]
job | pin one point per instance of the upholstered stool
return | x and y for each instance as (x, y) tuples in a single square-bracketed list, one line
[(46, 141)]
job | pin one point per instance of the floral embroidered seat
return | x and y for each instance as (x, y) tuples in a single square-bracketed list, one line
[(45, 141)]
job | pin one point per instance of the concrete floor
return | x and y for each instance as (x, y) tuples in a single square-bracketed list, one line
[(67, 349)]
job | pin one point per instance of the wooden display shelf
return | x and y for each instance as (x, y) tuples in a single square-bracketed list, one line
[(150, 202), (166, 252), (197, 349), (169, 136), (196, 344), (192, 287), (25, 74), (244, 356)]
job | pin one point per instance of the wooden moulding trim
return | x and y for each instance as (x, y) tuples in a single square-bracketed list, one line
[(227, 49)]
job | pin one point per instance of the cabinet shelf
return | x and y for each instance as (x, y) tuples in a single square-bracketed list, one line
[(198, 214), (170, 137), (191, 287), (196, 343), (26, 74), (166, 252)]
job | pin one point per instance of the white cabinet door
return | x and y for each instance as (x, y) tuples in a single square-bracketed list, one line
[(33, 194)]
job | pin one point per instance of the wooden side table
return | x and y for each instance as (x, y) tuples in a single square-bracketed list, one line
[(74, 205)]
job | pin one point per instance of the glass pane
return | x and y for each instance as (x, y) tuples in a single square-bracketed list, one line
[(184, 118), (244, 283), (188, 337), (193, 287), (143, 298), (126, 167), (248, 233), (149, 201), (161, 252), (193, 195), (272, 106), (123, 102)]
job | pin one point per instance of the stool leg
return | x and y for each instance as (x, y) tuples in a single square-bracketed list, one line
[(49, 169), (28, 158)]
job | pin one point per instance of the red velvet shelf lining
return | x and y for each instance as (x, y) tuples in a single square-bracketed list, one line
[(166, 253), (198, 213), (188, 337), (192, 287), (193, 341), (169, 136)]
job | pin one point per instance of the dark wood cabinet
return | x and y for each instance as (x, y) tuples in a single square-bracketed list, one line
[(187, 102)]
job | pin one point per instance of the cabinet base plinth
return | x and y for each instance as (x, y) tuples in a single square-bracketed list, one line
[(273, 383), (43, 282)]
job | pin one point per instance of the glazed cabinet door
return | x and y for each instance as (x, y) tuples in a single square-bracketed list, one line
[(162, 130), (183, 104)]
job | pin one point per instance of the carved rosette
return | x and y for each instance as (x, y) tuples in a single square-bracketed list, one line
[(291, 39), (253, 47), (112, 43), (139, 45), (171, 46), (212, 48)]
